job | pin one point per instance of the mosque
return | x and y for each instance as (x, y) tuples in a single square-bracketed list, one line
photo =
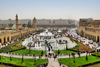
[(9, 35)]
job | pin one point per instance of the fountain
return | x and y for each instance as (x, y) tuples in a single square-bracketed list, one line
[(39, 41)]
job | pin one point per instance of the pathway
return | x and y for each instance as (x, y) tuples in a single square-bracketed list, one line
[(53, 62), (20, 56), (37, 57)]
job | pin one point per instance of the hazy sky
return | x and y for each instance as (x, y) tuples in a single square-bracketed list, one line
[(50, 9)]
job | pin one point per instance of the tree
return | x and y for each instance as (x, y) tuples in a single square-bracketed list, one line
[(29, 44), (73, 55), (0, 57), (35, 61), (74, 61), (22, 59), (86, 57), (42, 53), (79, 54), (10, 58), (29, 24), (10, 25), (66, 47), (23, 25), (58, 52)]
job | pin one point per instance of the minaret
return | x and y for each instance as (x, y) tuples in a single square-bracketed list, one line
[(34, 23), (16, 22)]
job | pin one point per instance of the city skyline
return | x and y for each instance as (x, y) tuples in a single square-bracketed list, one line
[(49, 9)]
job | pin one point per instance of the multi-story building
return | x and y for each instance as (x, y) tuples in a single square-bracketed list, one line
[(90, 29)]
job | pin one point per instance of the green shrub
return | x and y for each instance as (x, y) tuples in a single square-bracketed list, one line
[(96, 54)]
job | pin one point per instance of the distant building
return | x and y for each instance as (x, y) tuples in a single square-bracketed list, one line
[(90, 29), (7, 33), (44, 22)]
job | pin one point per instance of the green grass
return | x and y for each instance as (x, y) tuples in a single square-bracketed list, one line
[(26, 63), (78, 44), (26, 51), (64, 52), (14, 46), (79, 61)]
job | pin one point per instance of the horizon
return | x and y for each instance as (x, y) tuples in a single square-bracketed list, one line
[(51, 9)]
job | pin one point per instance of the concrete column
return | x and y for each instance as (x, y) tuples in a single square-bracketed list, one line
[(2, 40), (99, 39), (90, 37), (9, 38), (96, 38), (6, 39)]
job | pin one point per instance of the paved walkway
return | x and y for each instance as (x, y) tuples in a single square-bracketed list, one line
[(20, 56), (43, 57), (54, 62), (76, 55)]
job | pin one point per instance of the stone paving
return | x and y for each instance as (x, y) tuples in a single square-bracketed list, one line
[(52, 62)]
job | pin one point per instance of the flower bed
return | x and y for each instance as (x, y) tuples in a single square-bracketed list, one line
[(80, 46), (96, 54), (12, 47)]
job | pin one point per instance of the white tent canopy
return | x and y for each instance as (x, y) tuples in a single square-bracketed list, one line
[(46, 33), (98, 48), (59, 30)]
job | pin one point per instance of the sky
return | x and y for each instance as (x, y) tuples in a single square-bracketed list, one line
[(50, 9)]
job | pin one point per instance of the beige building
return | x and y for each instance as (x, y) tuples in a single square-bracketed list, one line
[(90, 33), (90, 29), (8, 35)]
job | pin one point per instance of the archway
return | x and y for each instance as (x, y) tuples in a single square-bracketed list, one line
[(82, 33), (98, 39), (4, 40), (7, 38), (0, 40)]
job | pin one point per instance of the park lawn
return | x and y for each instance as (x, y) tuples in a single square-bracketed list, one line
[(26, 62), (79, 44), (79, 61), (64, 52), (26, 51)]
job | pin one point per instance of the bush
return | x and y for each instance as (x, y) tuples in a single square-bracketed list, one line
[(96, 54)]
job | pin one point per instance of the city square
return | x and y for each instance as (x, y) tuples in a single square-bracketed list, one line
[(49, 33)]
